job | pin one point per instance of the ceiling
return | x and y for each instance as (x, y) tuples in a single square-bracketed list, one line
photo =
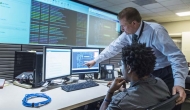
[(150, 10)]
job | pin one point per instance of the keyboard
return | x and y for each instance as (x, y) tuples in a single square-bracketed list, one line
[(78, 86), (108, 79)]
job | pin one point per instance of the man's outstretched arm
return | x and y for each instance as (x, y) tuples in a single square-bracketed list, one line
[(113, 49)]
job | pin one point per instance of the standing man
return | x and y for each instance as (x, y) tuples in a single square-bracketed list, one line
[(171, 65)]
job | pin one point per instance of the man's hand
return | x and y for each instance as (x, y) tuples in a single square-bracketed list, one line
[(91, 63), (182, 94), (116, 84), (109, 84)]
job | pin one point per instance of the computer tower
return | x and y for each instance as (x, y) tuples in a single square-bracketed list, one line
[(29, 62)]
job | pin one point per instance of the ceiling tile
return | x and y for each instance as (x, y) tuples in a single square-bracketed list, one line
[(148, 16), (185, 1), (188, 4), (171, 2), (177, 7), (90, 1), (159, 9), (165, 13), (162, 11), (144, 2), (181, 10), (113, 9), (118, 1), (139, 8), (103, 4), (117, 11), (145, 11), (129, 4), (152, 14), (152, 6), (162, 0)]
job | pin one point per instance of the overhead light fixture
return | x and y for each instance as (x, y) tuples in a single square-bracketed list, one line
[(183, 13)]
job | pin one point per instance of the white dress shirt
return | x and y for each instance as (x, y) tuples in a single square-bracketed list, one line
[(165, 50)]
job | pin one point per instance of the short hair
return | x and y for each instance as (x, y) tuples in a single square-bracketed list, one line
[(130, 14), (140, 58)]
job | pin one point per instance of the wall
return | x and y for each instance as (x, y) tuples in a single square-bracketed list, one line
[(177, 27), (180, 29), (186, 45)]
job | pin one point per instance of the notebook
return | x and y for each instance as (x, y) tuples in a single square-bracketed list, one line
[(2, 82)]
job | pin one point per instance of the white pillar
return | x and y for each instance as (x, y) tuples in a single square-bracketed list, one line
[(186, 45)]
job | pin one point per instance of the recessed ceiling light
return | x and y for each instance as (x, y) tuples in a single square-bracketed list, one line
[(183, 13)]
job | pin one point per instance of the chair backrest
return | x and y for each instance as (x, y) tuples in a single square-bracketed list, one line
[(166, 105)]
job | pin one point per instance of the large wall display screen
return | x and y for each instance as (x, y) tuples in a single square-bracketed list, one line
[(56, 22)]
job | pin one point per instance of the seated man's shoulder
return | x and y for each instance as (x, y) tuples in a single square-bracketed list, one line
[(148, 92), (160, 81)]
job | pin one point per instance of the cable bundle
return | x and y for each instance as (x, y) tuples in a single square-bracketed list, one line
[(30, 96)]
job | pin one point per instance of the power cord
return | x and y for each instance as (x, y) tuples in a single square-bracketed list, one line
[(26, 79), (89, 77), (30, 96)]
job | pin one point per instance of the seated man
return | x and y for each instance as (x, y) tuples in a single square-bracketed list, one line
[(145, 90)]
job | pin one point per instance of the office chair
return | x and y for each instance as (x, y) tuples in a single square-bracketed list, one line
[(186, 104), (187, 82), (187, 87), (166, 105)]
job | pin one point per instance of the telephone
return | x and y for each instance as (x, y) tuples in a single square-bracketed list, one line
[(107, 72)]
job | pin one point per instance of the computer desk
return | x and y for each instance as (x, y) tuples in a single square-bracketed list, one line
[(11, 97)]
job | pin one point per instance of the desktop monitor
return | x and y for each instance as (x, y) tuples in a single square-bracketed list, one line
[(82, 55), (57, 62)]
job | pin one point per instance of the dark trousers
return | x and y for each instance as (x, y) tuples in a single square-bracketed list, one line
[(166, 75)]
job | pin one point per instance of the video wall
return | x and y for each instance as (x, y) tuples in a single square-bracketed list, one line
[(56, 22)]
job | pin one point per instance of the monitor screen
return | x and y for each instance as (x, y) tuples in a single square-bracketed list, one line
[(82, 55), (56, 22), (57, 62)]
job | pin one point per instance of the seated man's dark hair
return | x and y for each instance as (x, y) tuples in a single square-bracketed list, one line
[(140, 58)]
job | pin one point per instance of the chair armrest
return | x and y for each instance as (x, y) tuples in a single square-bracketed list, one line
[(187, 80), (187, 91)]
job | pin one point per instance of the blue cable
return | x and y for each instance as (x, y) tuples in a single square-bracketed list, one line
[(38, 104)]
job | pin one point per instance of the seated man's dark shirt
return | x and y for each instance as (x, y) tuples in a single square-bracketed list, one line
[(141, 94)]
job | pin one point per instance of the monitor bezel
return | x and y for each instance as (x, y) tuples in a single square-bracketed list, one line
[(44, 61), (85, 72)]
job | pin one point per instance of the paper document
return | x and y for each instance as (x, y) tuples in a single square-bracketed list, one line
[(2, 81)]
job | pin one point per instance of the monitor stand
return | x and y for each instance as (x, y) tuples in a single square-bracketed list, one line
[(89, 76), (82, 76), (54, 85), (51, 86)]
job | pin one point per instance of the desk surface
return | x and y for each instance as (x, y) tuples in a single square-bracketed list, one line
[(11, 97)]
